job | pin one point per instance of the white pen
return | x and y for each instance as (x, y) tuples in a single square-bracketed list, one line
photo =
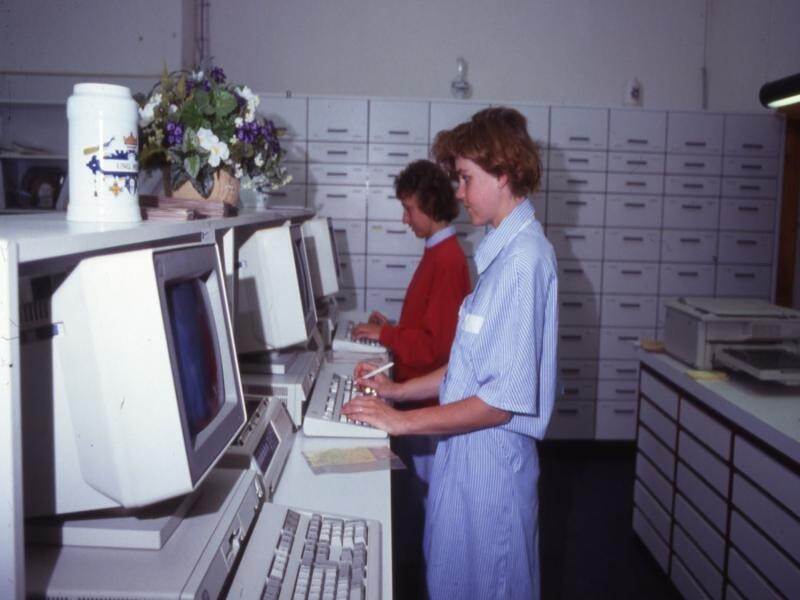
[(379, 370)]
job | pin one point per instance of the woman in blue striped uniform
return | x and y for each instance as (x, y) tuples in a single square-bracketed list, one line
[(496, 393)]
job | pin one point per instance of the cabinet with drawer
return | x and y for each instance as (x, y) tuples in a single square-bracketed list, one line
[(337, 120), (571, 419), (633, 211), (637, 130), (579, 128), (398, 122)]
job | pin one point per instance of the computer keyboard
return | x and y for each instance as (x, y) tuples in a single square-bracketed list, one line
[(295, 554), (324, 417), (342, 340)]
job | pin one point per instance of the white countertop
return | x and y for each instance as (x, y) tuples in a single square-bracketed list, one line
[(769, 411)]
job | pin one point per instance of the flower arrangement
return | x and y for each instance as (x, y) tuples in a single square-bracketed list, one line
[(198, 125)]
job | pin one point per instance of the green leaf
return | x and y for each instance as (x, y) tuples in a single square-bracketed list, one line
[(192, 165), (224, 102), (205, 182), (202, 100)]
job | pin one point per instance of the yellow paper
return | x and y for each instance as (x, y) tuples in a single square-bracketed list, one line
[(707, 375)]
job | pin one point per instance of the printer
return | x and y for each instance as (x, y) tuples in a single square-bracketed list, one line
[(748, 335)]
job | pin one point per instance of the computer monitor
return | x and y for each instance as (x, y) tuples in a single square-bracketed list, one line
[(275, 303), (323, 258), (145, 388)]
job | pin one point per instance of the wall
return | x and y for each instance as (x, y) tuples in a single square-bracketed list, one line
[(549, 51)]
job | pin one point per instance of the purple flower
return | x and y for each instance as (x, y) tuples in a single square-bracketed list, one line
[(174, 133), (218, 75), (207, 85)]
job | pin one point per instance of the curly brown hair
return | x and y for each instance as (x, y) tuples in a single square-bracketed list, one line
[(497, 140), (433, 188)]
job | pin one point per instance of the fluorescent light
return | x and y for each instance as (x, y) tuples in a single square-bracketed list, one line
[(784, 101), (781, 92)]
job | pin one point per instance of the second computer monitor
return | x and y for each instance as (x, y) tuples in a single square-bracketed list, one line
[(323, 258), (275, 304)]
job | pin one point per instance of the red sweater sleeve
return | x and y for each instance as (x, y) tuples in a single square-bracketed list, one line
[(424, 344)]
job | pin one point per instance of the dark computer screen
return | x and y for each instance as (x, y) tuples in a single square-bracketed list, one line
[(334, 250), (196, 351), (302, 275)]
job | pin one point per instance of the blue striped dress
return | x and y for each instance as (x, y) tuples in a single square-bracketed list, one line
[(481, 528)]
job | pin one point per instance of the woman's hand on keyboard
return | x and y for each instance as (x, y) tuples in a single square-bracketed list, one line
[(377, 318), (375, 412), (381, 384), (366, 331)]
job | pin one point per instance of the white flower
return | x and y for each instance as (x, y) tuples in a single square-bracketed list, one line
[(206, 138), (238, 172), (232, 140), (147, 112), (217, 152), (173, 109), (238, 121), (198, 75), (259, 160), (252, 102)]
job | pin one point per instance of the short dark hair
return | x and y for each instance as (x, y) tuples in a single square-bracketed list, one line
[(497, 140), (433, 189)]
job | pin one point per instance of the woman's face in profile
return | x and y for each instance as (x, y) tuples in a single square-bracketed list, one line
[(478, 191)]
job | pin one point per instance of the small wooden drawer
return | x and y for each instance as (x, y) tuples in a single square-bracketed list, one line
[(694, 133), (702, 569), (740, 187), (578, 309), (337, 201), (396, 154), (747, 579), (627, 244), (659, 423), (682, 212), (341, 152), (687, 185), (577, 242), (618, 389), (692, 164), (752, 135), (383, 175), (687, 280), (576, 181), (629, 311), (701, 532), (638, 130), (337, 120), (747, 215), (404, 122), (655, 513), (383, 205), (745, 248), (746, 281), (714, 434), (651, 539), (337, 174), (577, 160), (659, 394), (635, 183), (616, 420), (689, 246), (708, 502), (629, 162), (579, 128), (750, 167), (578, 390)]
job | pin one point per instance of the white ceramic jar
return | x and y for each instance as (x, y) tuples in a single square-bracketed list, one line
[(103, 154)]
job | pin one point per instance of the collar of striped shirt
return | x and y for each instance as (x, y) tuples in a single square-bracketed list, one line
[(440, 236), (497, 239)]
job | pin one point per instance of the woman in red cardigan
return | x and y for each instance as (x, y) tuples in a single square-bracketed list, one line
[(420, 343)]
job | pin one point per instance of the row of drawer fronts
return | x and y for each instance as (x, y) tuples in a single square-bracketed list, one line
[(590, 128), (653, 245), (594, 277), (671, 185), (594, 210), (658, 423), (385, 272), (392, 237), (602, 420), (687, 586), (607, 343), (771, 562), (768, 473), (650, 538), (714, 471), (650, 507), (616, 370), (702, 570), (710, 541), (654, 480), (746, 579), (708, 502)]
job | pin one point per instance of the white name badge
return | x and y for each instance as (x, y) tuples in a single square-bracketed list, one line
[(473, 323)]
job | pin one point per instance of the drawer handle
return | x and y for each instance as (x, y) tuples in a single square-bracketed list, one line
[(571, 391), (750, 188), (625, 390), (399, 154), (637, 141), (623, 411), (393, 300), (337, 152), (571, 338), (751, 146), (747, 208), (579, 138), (631, 272), (746, 242), (336, 195), (577, 181), (573, 271), (277, 194), (399, 132), (747, 167), (626, 371), (567, 411), (576, 203), (578, 160), (690, 240), (693, 144), (336, 174), (688, 274), (572, 304), (570, 371), (396, 231), (634, 205), (630, 305), (636, 183), (693, 186), (636, 163), (691, 206), (696, 165), (574, 236), (337, 130), (632, 238), (395, 266), (627, 338), (339, 230), (744, 275)]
